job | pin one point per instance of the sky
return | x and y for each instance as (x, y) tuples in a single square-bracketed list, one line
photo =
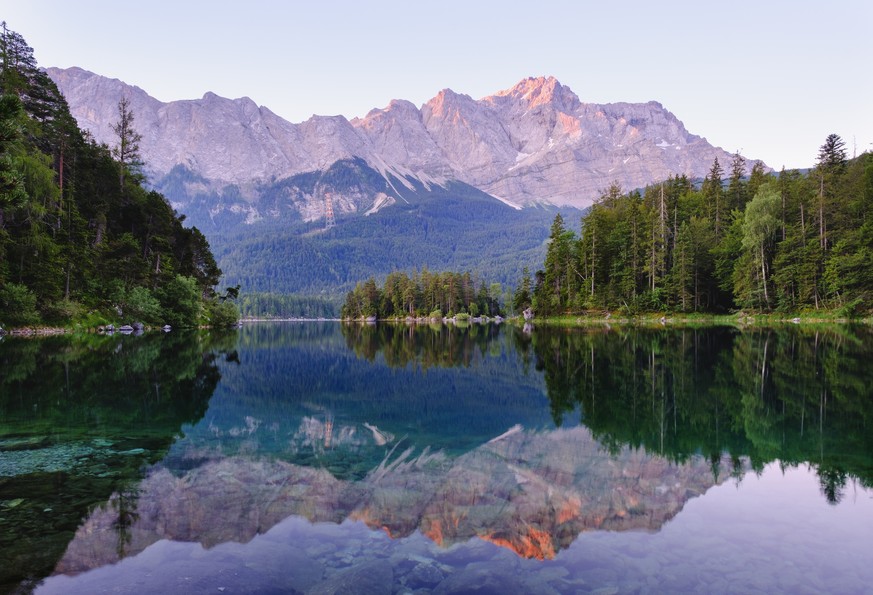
[(768, 78)]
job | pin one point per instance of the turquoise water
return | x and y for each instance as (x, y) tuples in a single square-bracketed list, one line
[(328, 458)]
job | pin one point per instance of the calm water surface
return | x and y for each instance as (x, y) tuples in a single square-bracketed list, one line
[(327, 458)]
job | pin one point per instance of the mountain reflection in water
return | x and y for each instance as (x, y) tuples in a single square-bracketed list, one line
[(532, 492), (489, 435)]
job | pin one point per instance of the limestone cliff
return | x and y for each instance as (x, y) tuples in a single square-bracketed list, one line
[(535, 142)]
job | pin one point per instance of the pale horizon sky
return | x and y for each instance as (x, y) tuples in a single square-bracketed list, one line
[(771, 79)]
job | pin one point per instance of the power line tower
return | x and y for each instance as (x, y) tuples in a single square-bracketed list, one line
[(329, 219)]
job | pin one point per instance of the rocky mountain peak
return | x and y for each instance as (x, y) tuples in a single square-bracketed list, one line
[(447, 102), (533, 92), (534, 142), (396, 109)]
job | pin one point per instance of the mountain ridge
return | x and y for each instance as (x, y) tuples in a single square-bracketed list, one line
[(535, 142)]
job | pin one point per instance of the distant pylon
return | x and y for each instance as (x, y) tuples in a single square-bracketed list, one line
[(329, 219)]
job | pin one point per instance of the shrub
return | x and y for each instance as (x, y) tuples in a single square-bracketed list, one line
[(140, 305), (17, 305), (223, 314), (62, 311), (180, 302)]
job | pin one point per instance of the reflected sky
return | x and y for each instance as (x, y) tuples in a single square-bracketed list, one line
[(331, 458)]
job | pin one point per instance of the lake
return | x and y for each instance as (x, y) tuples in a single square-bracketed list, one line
[(322, 457)]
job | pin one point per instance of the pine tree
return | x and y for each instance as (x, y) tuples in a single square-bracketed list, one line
[(521, 299), (713, 194), (736, 191), (831, 163), (558, 268), (127, 149)]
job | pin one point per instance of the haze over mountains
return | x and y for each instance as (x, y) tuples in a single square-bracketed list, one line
[(531, 144)]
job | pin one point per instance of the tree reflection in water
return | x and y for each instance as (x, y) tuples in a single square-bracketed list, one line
[(523, 439)]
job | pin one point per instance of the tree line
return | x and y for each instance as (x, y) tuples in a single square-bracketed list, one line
[(423, 294), (790, 242), (82, 240), (283, 305)]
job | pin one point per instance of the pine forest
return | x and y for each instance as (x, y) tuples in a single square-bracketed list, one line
[(82, 239), (789, 242)]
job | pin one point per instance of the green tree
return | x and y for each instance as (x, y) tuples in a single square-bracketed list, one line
[(222, 314), (126, 151), (760, 225), (180, 300), (17, 305), (831, 164), (736, 191), (849, 270), (138, 304), (559, 273), (713, 194), (12, 192), (521, 299)]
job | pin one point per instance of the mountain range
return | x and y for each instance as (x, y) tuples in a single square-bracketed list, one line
[(455, 184), (533, 143)]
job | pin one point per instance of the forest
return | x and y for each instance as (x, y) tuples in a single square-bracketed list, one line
[(285, 305), (83, 241), (790, 242), (457, 228), (433, 295)]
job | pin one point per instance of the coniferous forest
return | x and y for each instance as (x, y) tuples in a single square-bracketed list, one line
[(82, 240), (424, 294), (788, 242)]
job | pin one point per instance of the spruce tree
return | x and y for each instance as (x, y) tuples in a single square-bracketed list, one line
[(126, 152)]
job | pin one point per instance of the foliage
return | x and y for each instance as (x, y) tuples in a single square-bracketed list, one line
[(180, 302), (422, 294), (77, 227), (17, 305), (222, 314), (138, 303), (280, 305), (63, 312), (766, 243)]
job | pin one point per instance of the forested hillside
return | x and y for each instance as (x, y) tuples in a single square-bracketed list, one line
[(81, 239), (454, 229), (790, 242)]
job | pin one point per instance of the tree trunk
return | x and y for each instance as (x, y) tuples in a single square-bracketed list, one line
[(593, 248), (764, 277), (101, 228), (821, 222)]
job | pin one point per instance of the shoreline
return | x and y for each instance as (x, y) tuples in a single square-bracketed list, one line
[(739, 320)]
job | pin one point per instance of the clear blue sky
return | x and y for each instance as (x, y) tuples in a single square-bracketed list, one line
[(769, 78)]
